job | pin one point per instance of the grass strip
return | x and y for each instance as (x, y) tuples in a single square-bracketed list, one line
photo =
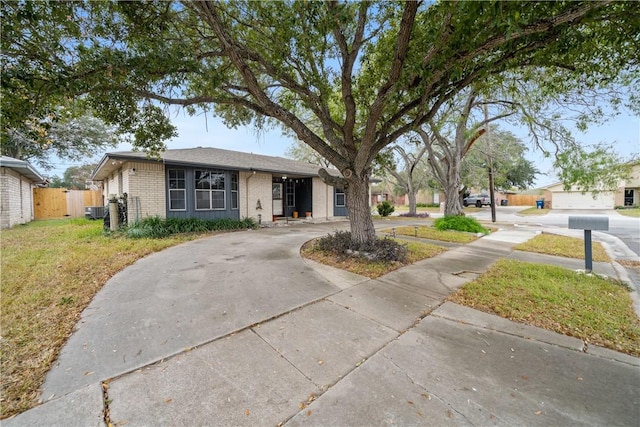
[(569, 247), (596, 310), (534, 211), (427, 232), (634, 212)]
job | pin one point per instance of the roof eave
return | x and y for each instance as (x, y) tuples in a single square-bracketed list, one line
[(24, 168)]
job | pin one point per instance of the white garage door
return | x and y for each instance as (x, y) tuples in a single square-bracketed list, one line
[(577, 200)]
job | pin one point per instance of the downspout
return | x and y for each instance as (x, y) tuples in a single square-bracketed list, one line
[(327, 201), (21, 197), (246, 185)]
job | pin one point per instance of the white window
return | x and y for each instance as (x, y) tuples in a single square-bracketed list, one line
[(340, 198), (177, 190), (234, 191), (290, 193), (210, 194)]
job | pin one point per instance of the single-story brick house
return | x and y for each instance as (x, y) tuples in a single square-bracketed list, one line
[(17, 181), (210, 183), (627, 193)]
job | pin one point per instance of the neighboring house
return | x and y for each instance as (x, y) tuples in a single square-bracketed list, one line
[(627, 193), (17, 181), (210, 183), (382, 190)]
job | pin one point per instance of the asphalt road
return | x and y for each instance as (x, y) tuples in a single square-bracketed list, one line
[(625, 228)]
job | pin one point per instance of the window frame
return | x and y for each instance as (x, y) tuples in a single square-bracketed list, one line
[(339, 192), (235, 191), (211, 191), (290, 193), (182, 189)]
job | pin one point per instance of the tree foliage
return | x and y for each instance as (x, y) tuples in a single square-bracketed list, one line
[(346, 78), (60, 135), (74, 177), (593, 169), (507, 155)]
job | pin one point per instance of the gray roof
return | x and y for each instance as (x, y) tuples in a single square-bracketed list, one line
[(215, 158), (23, 167)]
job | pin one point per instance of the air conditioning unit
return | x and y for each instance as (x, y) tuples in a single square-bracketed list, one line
[(94, 212)]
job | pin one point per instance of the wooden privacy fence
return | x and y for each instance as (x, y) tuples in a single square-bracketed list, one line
[(62, 203), (523, 199)]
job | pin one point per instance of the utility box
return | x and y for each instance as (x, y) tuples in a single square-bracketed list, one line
[(589, 223), (94, 212)]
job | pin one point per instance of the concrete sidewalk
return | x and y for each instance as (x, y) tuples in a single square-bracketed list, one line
[(237, 329)]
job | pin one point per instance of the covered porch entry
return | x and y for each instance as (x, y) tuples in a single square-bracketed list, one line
[(291, 197)]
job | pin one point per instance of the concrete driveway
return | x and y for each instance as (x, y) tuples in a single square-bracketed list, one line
[(184, 297), (237, 329)]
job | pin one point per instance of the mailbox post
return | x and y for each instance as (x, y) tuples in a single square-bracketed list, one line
[(588, 223)]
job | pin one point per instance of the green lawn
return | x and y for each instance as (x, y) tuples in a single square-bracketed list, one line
[(50, 272), (428, 232), (569, 247), (534, 211), (596, 310), (404, 208), (635, 212)]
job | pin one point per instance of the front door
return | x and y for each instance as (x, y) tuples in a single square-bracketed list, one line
[(276, 189)]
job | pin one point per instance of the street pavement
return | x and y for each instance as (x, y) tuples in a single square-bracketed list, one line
[(621, 227), (238, 329)]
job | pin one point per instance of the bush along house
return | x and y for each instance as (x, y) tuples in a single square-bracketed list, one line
[(211, 183)]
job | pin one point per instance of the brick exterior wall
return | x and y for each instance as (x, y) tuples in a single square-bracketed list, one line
[(254, 187), (16, 199), (322, 199), (144, 184)]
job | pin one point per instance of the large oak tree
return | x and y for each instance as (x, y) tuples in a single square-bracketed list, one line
[(347, 78)]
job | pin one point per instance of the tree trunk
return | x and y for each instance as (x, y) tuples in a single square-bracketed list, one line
[(357, 194), (451, 187), (452, 205), (412, 200)]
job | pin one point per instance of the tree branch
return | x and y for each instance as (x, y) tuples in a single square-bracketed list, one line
[(400, 53), (208, 10)]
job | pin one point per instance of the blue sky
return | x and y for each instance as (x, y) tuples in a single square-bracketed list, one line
[(196, 131), (623, 132)]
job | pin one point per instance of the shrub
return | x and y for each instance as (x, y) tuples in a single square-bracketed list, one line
[(150, 228), (427, 205), (460, 223), (385, 208), (385, 249), (338, 243), (154, 227)]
